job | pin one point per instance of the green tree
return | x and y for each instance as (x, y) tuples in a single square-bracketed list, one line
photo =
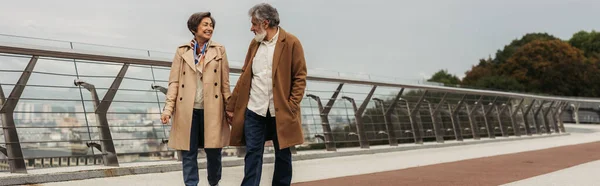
[(444, 77), (504, 83), (485, 68), (589, 43)]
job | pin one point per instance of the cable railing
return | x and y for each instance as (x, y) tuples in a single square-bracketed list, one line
[(49, 118)]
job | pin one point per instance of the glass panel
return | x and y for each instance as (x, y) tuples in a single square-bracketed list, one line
[(66, 129), (89, 108), (51, 79), (92, 68), (12, 67), (26, 106), (136, 108), (135, 96), (161, 99), (139, 71), (55, 149), (14, 62), (66, 93), (60, 66), (6, 90), (137, 132), (161, 75), (63, 134)]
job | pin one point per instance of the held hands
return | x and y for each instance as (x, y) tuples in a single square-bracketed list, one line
[(229, 117)]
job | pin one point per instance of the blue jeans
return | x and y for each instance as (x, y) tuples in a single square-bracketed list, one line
[(190, 158), (257, 129)]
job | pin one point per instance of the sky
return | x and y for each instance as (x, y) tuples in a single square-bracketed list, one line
[(399, 38)]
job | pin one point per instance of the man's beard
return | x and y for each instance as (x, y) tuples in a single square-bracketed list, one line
[(258, 37)]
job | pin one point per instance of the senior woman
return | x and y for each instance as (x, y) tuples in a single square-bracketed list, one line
[(196, 98)]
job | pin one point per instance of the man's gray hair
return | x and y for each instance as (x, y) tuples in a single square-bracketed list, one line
[(264, 11)]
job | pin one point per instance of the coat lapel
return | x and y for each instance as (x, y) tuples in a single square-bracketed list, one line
[(278, 50), (188, 57), (211, 54)]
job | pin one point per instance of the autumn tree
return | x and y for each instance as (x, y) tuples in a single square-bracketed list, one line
[(485, 74), (550, 66), (503, 55)]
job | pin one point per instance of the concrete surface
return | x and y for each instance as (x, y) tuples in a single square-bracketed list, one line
[(99, 171), (582, 175), (317, 169)]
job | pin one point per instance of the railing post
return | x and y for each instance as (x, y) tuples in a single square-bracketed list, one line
[(545, 115), (486, 113), (525, 116), (416, 123), (536, 116), (516, 128), (324, 114), (388, 119), (576, 113), (362, 136), (359, 127), (454, 118), (109, 154), (437, 128), (16, 161), (558, 115), (499, 112), (472, 121)]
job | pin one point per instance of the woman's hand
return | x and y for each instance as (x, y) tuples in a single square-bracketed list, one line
[(165, 119), (229, 116)]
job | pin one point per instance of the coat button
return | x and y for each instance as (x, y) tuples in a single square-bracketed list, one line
[(183, 72), (276, 110), (216, 96), (215, 70), (182, 86), (181, 98), (215, 84)]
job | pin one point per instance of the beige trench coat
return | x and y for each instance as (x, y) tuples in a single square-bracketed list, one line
[(289, 82), (182, 91)]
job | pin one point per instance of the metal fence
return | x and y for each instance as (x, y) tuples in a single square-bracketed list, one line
[(70, 107)]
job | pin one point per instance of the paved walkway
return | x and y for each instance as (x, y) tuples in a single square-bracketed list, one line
[(581, 175), (331, 168), (494, 170)]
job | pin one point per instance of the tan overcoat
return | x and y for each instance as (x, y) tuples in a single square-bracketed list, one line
[(182, 91)]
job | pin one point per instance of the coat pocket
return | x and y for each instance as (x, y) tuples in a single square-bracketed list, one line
[(295, 108)]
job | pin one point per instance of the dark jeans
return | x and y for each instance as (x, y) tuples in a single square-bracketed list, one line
[(190, 158), (256, 130)]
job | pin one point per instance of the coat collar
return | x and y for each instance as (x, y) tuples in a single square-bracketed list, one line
[(211, 53), (278, 50), (281, 44)]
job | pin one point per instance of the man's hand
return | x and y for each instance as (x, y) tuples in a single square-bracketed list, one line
[(229, 116), (165, 119)]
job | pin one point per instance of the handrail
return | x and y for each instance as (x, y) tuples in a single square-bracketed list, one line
[(44, 51)]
